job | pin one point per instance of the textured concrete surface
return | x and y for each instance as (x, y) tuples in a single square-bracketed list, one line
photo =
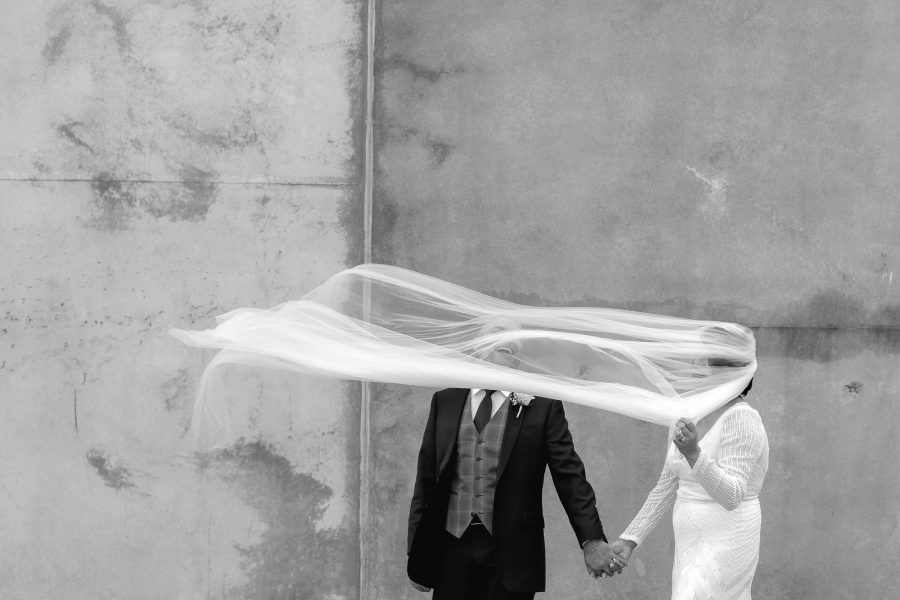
[(161, 163), (104, 494), (728, 160), (231, 91)]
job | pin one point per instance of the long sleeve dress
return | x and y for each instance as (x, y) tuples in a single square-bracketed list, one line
[(716, 515)]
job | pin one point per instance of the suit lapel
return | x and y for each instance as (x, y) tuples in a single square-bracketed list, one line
[(510, 435), (448, 425)]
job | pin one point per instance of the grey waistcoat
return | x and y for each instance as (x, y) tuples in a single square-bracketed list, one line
[(477, 458)]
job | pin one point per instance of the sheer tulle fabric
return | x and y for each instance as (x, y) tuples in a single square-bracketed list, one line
[(386, 324)]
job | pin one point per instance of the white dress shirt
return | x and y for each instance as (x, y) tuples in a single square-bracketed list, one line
[(497, 400)]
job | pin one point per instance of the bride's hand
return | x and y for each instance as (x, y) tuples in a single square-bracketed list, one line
[(686, 440), (623, 548)]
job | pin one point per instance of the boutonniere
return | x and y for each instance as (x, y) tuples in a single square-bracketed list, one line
[(520, 400)]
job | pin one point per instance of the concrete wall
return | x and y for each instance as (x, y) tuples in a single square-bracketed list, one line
[(732, 160), (164, 162), (160, 163)]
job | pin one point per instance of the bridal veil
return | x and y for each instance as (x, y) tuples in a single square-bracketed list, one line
[(386, 324)]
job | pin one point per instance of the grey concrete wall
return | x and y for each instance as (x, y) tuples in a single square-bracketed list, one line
[(160, 163), (732, 160), (163, 162)]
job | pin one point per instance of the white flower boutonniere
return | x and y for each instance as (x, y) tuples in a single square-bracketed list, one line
[(520, 400)]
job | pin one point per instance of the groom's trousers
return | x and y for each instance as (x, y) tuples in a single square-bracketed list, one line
[(469, 571)]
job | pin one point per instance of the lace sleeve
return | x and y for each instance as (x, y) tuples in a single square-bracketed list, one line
[(743, 438), (659, 500)]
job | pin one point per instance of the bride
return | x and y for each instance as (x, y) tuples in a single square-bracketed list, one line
[(712, 475)]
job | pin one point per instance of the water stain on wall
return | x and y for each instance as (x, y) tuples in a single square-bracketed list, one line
[(67, 130), (116, 477), (113, 203), (176, 390), (418, 71), (385, 217), (292, 559), (854, 388), (825, 327), (438, 147), (119, 24), (117, 202), (190, 201), (56, 45), (236, 132)]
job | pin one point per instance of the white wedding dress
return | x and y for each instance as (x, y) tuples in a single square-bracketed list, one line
[(716, 514)]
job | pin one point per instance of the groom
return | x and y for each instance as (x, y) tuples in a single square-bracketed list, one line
[(475, 521)]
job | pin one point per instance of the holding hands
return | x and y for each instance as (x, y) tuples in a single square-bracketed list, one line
[(623, 548), (601, 560)]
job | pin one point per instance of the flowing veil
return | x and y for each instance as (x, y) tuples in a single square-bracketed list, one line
[(386, 324)]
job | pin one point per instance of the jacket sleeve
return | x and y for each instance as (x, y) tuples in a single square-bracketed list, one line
[(569, 479), (425, 474)]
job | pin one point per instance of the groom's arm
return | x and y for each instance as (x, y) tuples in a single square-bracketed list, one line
[(577, 495), (569, 479), (425, 473)]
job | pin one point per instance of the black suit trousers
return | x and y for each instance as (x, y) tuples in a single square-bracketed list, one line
[(469, 571)]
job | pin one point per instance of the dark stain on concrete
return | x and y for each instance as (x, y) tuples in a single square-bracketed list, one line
[(292, 559), (351, 213), (351, 216), (119, 23), (270, 29), (67, 130), (823, 310), (116, 477), (202, 192), (189, 200), (887, 314), (854, 387), (830, 309), (240, 133), (419, 71), (825, 345), (439, 149), (826, 327), (56, 45), (113, 202), (385, 216), (117, 202), (224, 23), (176, 391)]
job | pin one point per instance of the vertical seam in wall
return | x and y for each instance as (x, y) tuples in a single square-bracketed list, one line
[(365, 395)]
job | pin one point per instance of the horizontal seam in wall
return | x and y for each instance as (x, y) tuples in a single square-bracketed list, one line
[(829, 327), (301, 183)]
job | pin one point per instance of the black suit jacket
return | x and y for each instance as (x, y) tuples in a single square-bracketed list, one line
[(534, 440)]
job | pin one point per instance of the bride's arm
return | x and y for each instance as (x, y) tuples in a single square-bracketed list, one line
[(659, 500), (743, 438)]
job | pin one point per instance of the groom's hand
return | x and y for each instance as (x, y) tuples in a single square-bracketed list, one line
[(601, 560), (420, 588)]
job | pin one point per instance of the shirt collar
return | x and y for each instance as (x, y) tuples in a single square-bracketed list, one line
[(505, 393)]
